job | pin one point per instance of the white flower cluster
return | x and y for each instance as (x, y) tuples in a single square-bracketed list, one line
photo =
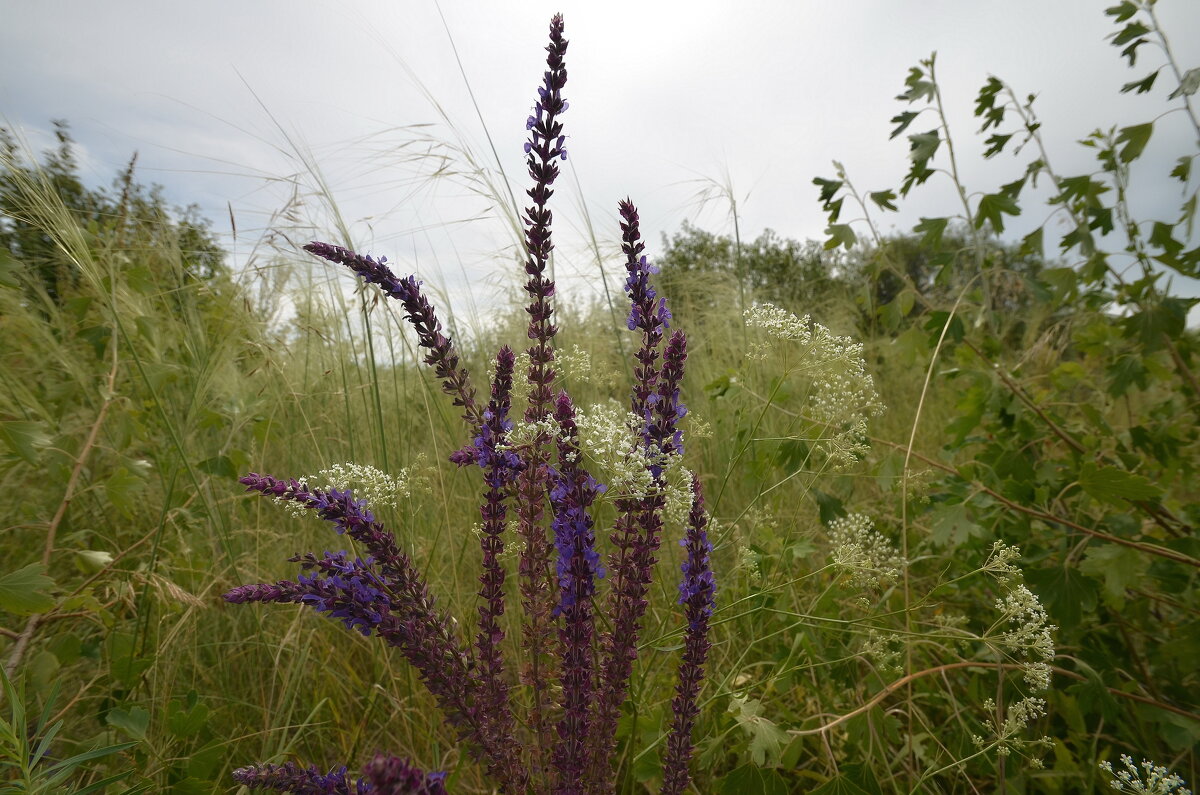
[(574, 363), (841, 394), (867, 554), (373, 485), (885, 650), (1029, 634), (610, 436), (1016, 718), (1000, 562), (748, 560), (1159, 780), (611, 439)]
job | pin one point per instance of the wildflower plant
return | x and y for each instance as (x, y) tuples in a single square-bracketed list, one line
[(536, 482)]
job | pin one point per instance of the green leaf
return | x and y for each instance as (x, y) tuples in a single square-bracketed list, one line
[(1122, 11), (1067, 594), (951, 527), (767, 740), (992, 208), (132, 722), (26, 591), (1117, 566), (1128, 33), (839, 785), (885, 199), (996, 144), (24, 438), (1135, 139), (122, 488), (1188, 85), (829, 188), (750, 780), (931, 230), (1183, 169), (918, 86), (220, 466), (902, 120), (1031, 244), (1143, 85), (924, 146), (840, 235), (1167, 319), (1111, 485)]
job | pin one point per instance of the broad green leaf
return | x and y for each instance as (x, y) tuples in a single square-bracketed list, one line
[(1066, 593), (1122, 11), (1143, 85), (902, 120), (931, 230), (220, 466), (924, 146), (840, 235), (1117, 566), (132, 722), (829, 188), (1183, 169), (1188, 85), (767, 740), (24, 438), (1031, 244), (885, 199), (1135, 139), (26, 591), (918, 86), (951, 527), (1110, 484), (1151, 325), (750, 780), (122, 488), (839, 785), (992, 209), (996, 143)]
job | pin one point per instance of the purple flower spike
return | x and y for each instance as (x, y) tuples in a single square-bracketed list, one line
[(542, 149), (391, 775), (500, 467), (571, 497), (290, 777), (398, 608), (646, 312), (419, 312), (696, 593)]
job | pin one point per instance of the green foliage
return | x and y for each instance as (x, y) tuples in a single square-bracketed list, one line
[(1074, 432)]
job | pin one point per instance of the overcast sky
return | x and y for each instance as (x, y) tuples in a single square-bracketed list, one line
[(219, 97)]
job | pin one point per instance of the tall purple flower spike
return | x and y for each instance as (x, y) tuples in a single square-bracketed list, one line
[(543, 149), (697, 591), (456, 382), (579, 567), (387, 597)]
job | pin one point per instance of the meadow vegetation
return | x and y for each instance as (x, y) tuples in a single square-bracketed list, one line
[(949, 478)]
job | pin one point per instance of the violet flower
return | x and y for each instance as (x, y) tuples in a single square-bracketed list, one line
[(697, 591), (647, 312), (579, 567), (500, 467), (442, 357), (543, 148), (637, 533), (387, 597), (290, 777), (391, 775)]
